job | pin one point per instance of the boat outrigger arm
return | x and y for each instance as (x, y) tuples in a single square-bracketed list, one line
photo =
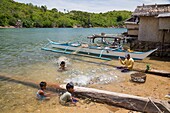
[(105, 53), (73, 52)]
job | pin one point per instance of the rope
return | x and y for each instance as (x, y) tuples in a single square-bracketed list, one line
[(149, 100), (153, 104), (145, 106)]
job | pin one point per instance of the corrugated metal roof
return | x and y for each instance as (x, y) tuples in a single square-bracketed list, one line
[(164, 15), (130, 22)]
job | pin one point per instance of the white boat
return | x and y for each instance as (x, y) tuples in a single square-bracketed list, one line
[(105, 53)]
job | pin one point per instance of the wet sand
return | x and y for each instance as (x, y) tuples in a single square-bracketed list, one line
[(19, 97)]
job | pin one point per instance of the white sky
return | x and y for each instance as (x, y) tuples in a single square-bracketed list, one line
[(95, 6)]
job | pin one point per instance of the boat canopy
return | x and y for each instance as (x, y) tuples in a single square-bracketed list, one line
[(104, 36)]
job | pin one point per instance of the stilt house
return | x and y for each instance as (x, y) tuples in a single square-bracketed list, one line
[(152, 27)]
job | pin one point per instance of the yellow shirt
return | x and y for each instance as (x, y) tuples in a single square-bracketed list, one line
[(128, 63)]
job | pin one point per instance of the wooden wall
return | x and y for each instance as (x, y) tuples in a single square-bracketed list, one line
[(164, 23), (148, 29), (133, 29), (132, 26), (133, 32)]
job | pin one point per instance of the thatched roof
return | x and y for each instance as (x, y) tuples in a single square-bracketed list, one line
[(151, 10)]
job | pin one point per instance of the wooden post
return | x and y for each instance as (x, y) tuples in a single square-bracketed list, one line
[(162, 45)]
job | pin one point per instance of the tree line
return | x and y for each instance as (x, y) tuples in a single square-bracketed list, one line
[(30, 15)]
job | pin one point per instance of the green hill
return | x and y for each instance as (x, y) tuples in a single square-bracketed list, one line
[(27, 15)]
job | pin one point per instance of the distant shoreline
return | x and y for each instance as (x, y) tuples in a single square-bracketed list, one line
[(60, 27), (7, 27)]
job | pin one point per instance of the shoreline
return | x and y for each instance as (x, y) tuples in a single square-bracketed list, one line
[(7, 26), (58, 27), (23, 94)]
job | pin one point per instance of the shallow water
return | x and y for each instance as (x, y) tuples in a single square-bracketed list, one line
[(18, 98), (81, 71), (21, 57), (21, 54)]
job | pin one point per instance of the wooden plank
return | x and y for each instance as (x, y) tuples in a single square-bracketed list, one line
[(159, 72), (154, 72), (131, 102)]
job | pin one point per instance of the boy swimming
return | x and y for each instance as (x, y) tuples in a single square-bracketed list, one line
[(62, 66)]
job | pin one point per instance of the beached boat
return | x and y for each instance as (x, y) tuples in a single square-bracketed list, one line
[(94, 51)]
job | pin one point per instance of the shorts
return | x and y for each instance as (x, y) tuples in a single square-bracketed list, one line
[(64, 103), (41, 97)]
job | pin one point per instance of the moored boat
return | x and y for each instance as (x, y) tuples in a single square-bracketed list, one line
[(105, 53)]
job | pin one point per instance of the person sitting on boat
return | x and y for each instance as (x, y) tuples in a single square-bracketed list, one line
[(129, 50), (62, 65), (128, 63), (113, 45)]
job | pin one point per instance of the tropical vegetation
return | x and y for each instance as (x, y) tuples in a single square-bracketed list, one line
[(28, 15)]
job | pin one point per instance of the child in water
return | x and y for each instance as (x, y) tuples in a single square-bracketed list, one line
[(41, 95), (66, 99), (62, 66)]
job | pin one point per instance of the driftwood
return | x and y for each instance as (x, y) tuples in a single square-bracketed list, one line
[(159, 72), (131, 102), (154, 72)]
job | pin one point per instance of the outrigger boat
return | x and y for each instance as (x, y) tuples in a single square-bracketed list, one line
[(105, 53)]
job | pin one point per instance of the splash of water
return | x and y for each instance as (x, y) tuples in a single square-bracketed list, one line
[(91, 78), (63, 58)]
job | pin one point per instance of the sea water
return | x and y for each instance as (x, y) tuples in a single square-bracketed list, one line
[(21, 55)]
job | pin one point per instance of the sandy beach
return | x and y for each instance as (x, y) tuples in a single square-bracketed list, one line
[(36, 36), (7, 27), (19, 97)]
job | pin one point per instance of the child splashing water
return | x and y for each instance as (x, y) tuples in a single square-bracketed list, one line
[(62, 61), (62, 66)]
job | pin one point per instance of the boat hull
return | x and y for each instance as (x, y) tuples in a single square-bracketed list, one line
[(106, 52)]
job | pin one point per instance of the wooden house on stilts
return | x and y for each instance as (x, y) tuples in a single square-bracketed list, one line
[(152, 28)]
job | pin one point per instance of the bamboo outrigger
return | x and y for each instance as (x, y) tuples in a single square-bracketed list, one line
[(105, 53)]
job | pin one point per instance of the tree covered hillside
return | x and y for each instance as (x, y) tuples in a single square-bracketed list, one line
[(28, 15)]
